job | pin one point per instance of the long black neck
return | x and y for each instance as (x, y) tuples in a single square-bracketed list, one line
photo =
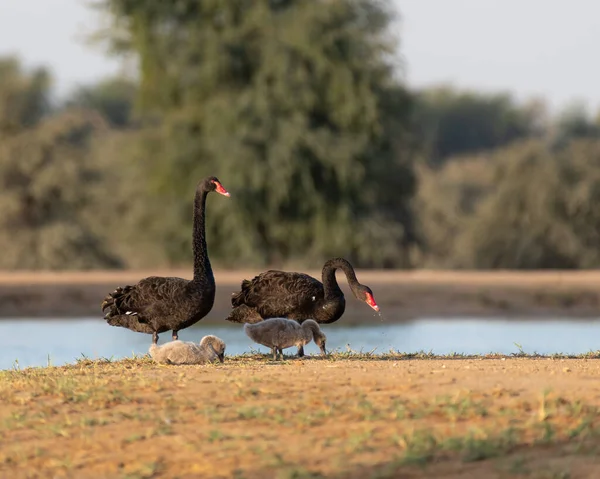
[(202, 269), (330, 284)]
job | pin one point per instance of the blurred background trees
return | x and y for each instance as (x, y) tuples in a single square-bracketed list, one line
[(288, 102), (524, 206), (45, 173), (297, 107), (452, 122)]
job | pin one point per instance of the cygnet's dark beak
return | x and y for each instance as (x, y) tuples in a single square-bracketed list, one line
[(222, 357), (323, 350)]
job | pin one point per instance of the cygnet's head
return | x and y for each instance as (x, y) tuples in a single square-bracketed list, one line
[(216, 344), (320, 340)]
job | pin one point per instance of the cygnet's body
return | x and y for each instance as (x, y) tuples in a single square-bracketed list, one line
[(280, 333), (210, 349)]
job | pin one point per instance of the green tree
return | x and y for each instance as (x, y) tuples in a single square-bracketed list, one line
[(24, 96), (122, 211), (448, 198), (44, 175), (452, 122), (572, 123), (114, 98), (579, 171), (293, 104), (526, 206), (45, 172), (520, 224)]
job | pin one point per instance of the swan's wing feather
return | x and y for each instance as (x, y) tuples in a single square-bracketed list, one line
[(279, 293), (151, 296)]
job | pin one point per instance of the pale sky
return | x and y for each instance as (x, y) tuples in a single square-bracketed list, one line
[(542, 48)]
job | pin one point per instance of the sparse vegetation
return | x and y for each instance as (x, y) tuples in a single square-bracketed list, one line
[(360, 415)]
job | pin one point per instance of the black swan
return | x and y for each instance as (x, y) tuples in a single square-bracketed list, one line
[(298, 296), (157, 304)]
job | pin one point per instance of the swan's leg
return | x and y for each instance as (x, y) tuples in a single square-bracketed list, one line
[(274, 351), (154, 337), (175, 336), (301, 351), (281, 353)]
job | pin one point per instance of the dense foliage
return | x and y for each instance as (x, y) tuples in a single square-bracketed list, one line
[(45, 173), (525, 206), (293, 105), (296, 106)]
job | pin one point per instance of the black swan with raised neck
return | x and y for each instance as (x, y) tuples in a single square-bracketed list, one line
[(157, 304), (298, 296)]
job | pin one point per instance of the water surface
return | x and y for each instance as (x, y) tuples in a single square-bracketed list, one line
[(35, 342)]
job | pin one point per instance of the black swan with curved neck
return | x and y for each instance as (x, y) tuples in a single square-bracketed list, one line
[(157, 304), (298, 296)]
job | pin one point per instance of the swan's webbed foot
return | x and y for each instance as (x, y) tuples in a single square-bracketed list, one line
[(175, 336), (154, 337)]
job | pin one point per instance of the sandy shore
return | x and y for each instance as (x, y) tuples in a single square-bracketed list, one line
[(312, 418), (401, 295)]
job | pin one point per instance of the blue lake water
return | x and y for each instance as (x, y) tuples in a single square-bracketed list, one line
[(29, 342)]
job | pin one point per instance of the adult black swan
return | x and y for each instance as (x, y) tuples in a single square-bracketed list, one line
[(157, 304), (298, 296)]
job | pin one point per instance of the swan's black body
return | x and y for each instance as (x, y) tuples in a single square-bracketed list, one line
[(158, 304), (298, 296)]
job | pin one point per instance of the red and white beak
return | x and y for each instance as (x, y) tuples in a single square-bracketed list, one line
[(371, 302), (219, 189)]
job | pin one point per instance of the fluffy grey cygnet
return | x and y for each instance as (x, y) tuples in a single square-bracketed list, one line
[(184, 352), (281, 333)]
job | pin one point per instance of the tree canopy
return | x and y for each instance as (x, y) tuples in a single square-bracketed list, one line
[(45, 176), (525, 206), (294, 106), (453, 122), (297, 107), (114, 98)]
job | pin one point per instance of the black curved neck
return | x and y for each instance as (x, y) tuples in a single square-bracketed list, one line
[(330, 284), (202, 267)]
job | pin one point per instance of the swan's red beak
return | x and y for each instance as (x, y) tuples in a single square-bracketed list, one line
[(219, 189), (371, 302)]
